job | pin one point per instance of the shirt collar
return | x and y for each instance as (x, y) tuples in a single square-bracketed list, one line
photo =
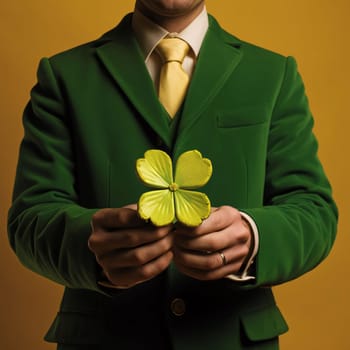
[(149, 34)]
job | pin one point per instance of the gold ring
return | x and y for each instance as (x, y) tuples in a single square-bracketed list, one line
[(223, 257)]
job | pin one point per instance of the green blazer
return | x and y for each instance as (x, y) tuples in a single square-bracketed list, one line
[(94, 111)]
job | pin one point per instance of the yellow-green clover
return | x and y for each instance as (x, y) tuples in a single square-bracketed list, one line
[(173, 199)]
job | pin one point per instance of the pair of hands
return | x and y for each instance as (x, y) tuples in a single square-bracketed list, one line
[(131, 251)]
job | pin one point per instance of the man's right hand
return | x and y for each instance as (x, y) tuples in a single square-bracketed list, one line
[(128, 249)]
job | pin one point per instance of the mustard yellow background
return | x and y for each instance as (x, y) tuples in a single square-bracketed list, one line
[(316, 32)]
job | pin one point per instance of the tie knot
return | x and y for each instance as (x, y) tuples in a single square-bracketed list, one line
[(172, 49)]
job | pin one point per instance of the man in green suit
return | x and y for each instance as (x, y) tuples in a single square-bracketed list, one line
[(129, 284)]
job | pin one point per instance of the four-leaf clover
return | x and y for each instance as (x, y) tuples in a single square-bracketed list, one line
[(172, 198)]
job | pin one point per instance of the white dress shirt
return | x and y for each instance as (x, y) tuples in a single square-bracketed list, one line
[(148, 35)]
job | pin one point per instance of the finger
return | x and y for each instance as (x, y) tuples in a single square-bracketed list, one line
[(103, 242), (209, 262), (218, 220), (135, 257), (131, 206), (206, 275), (216, 274), (114, 218), (210, 242), (236, 234), (128, 277)]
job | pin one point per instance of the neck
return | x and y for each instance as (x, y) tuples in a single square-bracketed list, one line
[(172, 23)]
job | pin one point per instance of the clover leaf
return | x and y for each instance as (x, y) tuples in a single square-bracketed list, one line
[(173, 198)]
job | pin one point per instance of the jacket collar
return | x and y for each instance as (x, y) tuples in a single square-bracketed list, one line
[(220, 53)]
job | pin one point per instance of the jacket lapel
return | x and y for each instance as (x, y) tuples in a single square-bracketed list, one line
[(120, 54), (219, 56), (122, 58)]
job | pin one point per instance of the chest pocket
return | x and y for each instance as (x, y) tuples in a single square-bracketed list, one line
[(243, 116)]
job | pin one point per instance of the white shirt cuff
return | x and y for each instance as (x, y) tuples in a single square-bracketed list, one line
[(244, 276)]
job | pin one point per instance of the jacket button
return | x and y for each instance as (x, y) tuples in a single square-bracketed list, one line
[(178, 307)]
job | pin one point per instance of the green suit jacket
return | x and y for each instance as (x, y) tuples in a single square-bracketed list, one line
[(94, 111)]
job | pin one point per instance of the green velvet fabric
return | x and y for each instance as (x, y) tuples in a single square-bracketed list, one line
[(94, 111)]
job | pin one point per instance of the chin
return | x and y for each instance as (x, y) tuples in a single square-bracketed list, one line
[(170, 8)]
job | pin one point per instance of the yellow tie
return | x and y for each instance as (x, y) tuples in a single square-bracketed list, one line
[(173, 81)]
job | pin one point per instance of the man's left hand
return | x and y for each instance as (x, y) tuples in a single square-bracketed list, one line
[(220, 246)]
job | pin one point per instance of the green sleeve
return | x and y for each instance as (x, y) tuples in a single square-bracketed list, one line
[(297, 223), (48, 229)]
